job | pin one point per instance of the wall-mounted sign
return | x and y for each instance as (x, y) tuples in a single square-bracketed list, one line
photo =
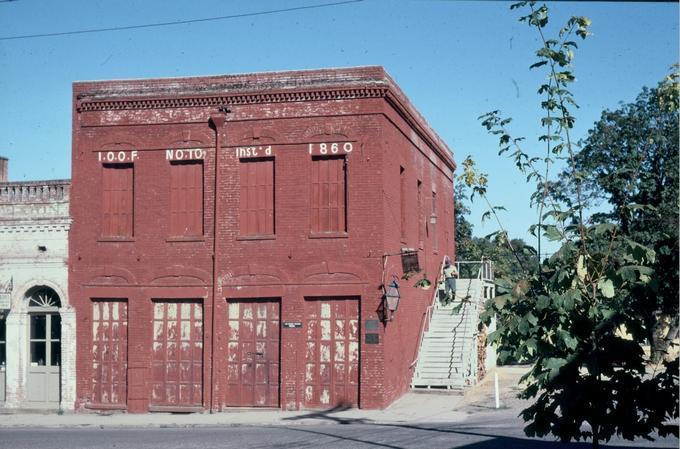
[(372, 325), (5, 301), (259, 151), (185, 154), (372, 339), (292, 324), (330, 148), (113, 157)]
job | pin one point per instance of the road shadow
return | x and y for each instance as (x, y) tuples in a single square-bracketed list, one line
[(329, 415), (487, 439)]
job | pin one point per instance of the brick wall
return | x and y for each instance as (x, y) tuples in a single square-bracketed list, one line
[(286, 111)]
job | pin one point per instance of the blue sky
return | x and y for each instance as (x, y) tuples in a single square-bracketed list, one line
[(455, 60)]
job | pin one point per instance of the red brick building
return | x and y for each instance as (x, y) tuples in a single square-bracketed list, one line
[(237, 258)]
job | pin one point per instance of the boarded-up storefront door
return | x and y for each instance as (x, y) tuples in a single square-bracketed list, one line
[(332, 352), (253, 354), (109, 353), (177, 359)]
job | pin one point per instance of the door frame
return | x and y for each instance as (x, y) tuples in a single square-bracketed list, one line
[(254, 300), (43, 301)]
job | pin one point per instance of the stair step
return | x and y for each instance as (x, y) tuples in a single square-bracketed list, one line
[(432, 381), (442, 361)]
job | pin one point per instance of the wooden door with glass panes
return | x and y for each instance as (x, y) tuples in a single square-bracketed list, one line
[(44, 339)]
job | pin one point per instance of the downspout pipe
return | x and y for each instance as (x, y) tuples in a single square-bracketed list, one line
[(218, 121)]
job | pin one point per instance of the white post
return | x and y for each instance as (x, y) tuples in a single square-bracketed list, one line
[(495, 381)]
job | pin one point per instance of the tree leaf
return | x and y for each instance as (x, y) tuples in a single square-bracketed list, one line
[(581, 270), (606, 287), (499, 301)]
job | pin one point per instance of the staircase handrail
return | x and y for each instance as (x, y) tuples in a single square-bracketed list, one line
[(485, 272), (427, 316)]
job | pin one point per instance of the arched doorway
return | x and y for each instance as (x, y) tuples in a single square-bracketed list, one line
[(44, 341)]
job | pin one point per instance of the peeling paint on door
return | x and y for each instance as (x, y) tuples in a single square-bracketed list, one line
[(177, 359), (331, 357), (109, 352), (253, 353)]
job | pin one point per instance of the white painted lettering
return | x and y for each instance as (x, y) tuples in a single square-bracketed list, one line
[(250, 152), (327, 148), (184, 154)]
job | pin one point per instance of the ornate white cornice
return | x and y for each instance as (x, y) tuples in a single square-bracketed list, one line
[(47, 227)]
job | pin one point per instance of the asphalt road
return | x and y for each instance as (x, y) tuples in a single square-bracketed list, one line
[(394, 436)]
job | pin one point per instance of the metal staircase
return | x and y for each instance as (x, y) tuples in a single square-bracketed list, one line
[(448, 351)]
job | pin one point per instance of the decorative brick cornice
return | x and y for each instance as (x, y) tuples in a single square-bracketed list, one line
[(234, 99), (211, 92)]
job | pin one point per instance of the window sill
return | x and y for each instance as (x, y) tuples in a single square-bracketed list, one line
[(256, 237), (116, 239), (185, 239), (329, 235)]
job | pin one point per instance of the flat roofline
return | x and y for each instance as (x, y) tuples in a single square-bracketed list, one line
[(130, 94), (36, 182), (229, 75)]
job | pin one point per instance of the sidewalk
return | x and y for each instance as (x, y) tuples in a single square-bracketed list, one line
[(422, 406)]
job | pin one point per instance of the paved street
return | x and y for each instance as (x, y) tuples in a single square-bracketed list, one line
[(418, 420), (293, 436)]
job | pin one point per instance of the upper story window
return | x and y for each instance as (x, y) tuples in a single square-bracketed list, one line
[(421, 217), (186, 198), (329, 195), (256, 200), (402, 201), (433, 222), (118, 200)]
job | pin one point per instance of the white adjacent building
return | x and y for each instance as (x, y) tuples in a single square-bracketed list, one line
[(37, 323)]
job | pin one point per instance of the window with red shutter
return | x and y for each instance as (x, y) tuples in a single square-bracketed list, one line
[(402, 201), (186, 198), (329, 195), (118, 200), (421, 213), (433, 222), (256, 198)]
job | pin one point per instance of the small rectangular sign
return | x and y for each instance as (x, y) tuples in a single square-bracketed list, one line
[(372, 325), (292, 324), (372, 339), (5, 300)]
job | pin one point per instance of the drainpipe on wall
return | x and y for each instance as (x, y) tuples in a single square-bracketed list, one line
[(218, 121)]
